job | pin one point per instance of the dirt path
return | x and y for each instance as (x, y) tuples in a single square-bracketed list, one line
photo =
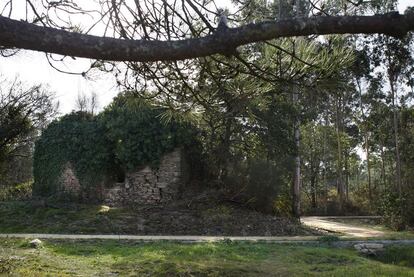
[(328, 224)]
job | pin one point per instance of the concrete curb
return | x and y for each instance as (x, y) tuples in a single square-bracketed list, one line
[(345, 241), (165, 238)]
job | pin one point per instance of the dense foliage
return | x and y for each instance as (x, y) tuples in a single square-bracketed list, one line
[(139, 133), (129, 133), (24, 111), (77, 139)]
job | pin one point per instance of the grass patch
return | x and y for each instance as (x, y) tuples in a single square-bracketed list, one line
[(23, 217), (128, 258), (328, 238), (176, 219), (401, 256)]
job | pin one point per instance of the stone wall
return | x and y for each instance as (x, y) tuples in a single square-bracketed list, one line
[(150, 186), (69, 182), (144, 185)]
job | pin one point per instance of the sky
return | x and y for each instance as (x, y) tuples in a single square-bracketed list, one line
[(33, 68)]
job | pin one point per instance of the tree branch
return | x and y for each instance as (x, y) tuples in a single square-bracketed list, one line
[(19, 34)]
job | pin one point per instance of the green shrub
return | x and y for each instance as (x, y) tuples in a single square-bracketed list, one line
[(262, 185), (21, 191), (282, 205), (392, 210)]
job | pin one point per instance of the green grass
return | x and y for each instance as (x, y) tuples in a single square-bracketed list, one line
[(75, 218), (401, 255), (115, 258), (22, 217)]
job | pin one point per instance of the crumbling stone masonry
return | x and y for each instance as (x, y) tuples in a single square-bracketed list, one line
[(69, 182), (147, 185)]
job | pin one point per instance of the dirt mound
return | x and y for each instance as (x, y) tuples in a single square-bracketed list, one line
[(208, 213), (195, 213)]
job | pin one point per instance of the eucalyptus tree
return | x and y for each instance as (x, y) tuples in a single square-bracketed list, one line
[(396, 57), (313, 156)]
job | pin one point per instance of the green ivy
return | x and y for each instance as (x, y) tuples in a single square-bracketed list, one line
[(77, 138), (139, 134), (127, 134)]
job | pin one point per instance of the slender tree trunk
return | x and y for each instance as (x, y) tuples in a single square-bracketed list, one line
[(383, 178), (347, 177), (366, 140), (325, 180), (297, 179), (224, 154), (316, 190), (357, 177), (396, 138), (340, 183), (368, 166), (314, 187), (297, 173)]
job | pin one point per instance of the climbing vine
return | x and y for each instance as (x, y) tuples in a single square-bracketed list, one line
[(129, 133), (78, 139), (139, 134)]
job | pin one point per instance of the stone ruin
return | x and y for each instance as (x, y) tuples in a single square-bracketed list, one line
[(145, 185), (148, 186), (69, 182)]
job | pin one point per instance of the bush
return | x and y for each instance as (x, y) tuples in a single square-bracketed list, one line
[(22, 191), (392, 210), (262, 185), (282, 206)]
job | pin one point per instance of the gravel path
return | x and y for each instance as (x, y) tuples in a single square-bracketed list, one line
[(328, 224)]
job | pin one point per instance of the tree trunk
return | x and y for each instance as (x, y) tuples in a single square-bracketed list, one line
[(383, 177), (325, 180), (347, 177), (366, 140), (368, 166), (225, 151), (314, 189), (297, 174), (340, 183), (396, 138)]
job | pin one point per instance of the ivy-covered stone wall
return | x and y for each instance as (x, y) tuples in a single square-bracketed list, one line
[(130, 142), (70, 182), (147, 185)]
